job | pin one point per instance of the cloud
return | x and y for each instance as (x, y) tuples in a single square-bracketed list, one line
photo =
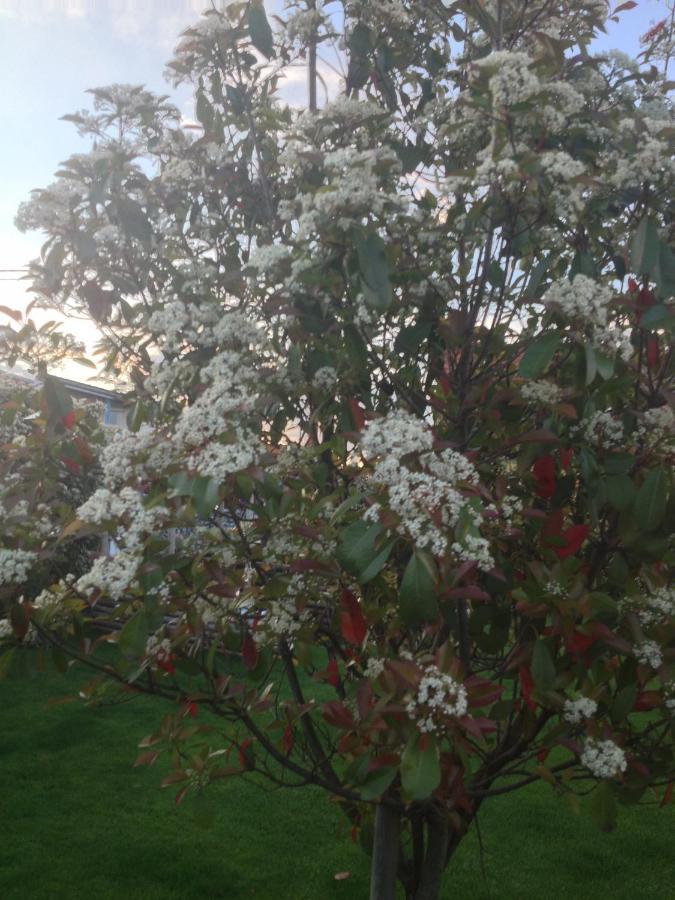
[(155, 22)]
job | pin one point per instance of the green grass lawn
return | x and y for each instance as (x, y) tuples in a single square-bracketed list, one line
[(78, 821)]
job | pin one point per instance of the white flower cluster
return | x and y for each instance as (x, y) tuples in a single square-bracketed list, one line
[(129, 505), (112, 576), (218, 460), (543, 392), (6, 630), (575, 711), (303, 24), (588, 301), (415, 496), (657, 606), (509, 507), (669, 690), (395, 435), (157, 647), (374, 667), (49, 604), (438, 696), (267, 258), (582, 297), (140, 453), (450, 466), (357, 185), (649, 654), (15, 565), (324, 379), (603, 430), (657, 425), (604, 759), (513, 81)]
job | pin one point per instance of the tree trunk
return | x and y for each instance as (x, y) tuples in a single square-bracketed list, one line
[(385, 853), (436, 856)]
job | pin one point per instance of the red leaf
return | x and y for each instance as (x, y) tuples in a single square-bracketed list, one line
[(71, 465), (668, 794), (578, 643), (574, 536), (180, 796), (332, 673), (629, 4), (647, 700), (526, 686), (84, 450), (544, 476), (287, 740), (352, 623), (357, 413), (337, 714), (565, 458), (246, 755), (652, 352), (165, 662), (69, 419), (191, 709), (249, 651), (645, 299)]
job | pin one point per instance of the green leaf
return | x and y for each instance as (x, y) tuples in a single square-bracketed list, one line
[(583, 264), (85, 246), (377, 564), (374, 269), (537, 276), (652, 499), (134, 635), (205, 494), (644, 251), (619, 463), (259, 29), (591, 364), (543, 666), (539, 354), (56, 398), (377, 782), (204, 110), (133, 219), (420, 767), (418, 593), (235, 98), (623, 703), (136, 416), (664, 274), (495, 274), (357, 551), (658, 316), (408, 339), (620, 491)]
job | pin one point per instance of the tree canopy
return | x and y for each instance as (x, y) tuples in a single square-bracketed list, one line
[(394, 504)]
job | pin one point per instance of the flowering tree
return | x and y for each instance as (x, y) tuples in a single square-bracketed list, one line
[(402, 382)]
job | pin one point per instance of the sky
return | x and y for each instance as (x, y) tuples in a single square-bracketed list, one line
[(53, 50)]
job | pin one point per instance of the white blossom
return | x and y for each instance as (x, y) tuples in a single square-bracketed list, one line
[(604, 759), (395, 435), (15, 565), (649, 654), (438, 696), (575, 711), (543, 392), (603, 430)]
